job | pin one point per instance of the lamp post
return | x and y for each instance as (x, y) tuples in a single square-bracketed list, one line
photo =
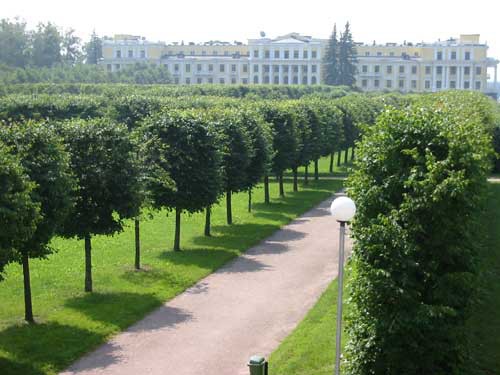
[(342, 210)]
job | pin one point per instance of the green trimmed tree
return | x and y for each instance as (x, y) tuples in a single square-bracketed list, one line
[(46, 162), (183, 163), (102, 158)]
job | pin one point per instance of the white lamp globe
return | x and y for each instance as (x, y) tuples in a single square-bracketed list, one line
[(343, 209)]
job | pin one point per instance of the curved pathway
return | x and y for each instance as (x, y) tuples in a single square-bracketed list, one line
[(246, 307)]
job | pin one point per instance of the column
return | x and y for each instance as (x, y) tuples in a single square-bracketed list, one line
[(309, 72), (300, 72), (280, 74)]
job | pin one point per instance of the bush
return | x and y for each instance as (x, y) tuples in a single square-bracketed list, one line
[(419, 183)]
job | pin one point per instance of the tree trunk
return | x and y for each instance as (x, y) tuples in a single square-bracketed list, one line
[(207, 221), (28, 307), (177, 237), (306, 174), (280, 181), (339, 152), (295, 185), (316, 170), (345, 155), (137, 245), (88, 263), (266, 189), (352, 153), (331, 162), (229, 210), (249, 200)]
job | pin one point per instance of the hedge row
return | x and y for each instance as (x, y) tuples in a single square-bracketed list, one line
[(419, 184)]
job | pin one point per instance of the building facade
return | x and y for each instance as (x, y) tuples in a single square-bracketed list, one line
[(460, 63)]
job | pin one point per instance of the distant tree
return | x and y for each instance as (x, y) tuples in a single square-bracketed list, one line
[(71, 47), (47, 43), (331, 60), (93, 49), (182, 164), (104, 164), (347, 58), (46, 162), (14, 43)]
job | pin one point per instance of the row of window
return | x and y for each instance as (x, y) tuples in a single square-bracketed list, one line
[(266, 80), (130, 54), (413, 84), (286, 54), (233, 68), (453, 55), (428, 69)]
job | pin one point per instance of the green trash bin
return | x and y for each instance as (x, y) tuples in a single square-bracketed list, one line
[(257, 365)]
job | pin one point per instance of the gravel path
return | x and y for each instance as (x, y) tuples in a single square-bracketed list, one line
[(246, 307)]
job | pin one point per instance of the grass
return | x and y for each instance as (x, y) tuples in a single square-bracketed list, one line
[(310, 348), (71, 322)]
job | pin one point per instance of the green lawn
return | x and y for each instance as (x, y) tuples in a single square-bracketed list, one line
[(71, 322), (310, 348)]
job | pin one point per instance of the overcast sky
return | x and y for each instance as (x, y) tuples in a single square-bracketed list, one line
[(197, 20)]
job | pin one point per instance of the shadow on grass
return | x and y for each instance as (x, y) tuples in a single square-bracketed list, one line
[(45, 347)]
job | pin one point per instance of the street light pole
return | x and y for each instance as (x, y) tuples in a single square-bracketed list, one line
[(343, 210), (340, 279)]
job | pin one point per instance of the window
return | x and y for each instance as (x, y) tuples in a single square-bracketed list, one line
[(192, 53), (439, 55), (295, 80), (467, 55), (453, 70), (118, 54), (379, 53), (305, 54), (176, 68), (439, 84), (210, 80), (233, 80), (276, 80), (389, 69), (377, 68), (413, 84), (285, 80), (188, 68), (199, 80), (276, 68), (314, 54), (304, 69), (478, 85), (478, 70), (210, 67), (427, 85), (276, 54), (214, 52), (256, 53), (295, 54), (428, 70), (255, 68), (222, 68), (109, 66), (413, 69), (376, 83), (439, 70), (143, 54), (295, 68), (367, 53), (314, 68), (364, 83), (466, 85), (313, 80), (176, 80), (453, 84), (226, 53), (304, 80), (245, 68), (364, 68), (255, 79), (388, 83), (401, 83), (188, 81), (266, 54), (466, 70), (391, 53), (222, 81), (401, 69), (198, 67), (453, 55), (244, 81), (287, 54), (233, 67)]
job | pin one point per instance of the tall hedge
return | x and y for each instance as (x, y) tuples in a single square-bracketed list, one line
[(418, 184)]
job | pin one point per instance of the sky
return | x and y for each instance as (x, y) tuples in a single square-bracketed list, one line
[(198, 21)]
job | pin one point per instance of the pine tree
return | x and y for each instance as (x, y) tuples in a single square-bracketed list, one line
[(332, 60), (347, 58), (93, 49)]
